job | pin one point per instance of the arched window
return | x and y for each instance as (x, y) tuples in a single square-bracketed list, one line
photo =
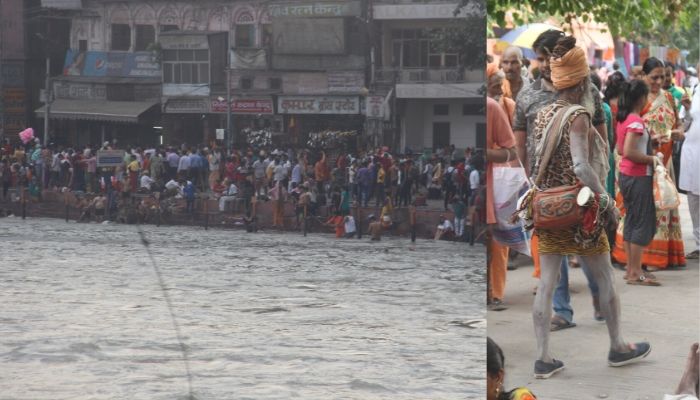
[(219, 20), (145, 28), (168, 20), (265, 29), (245, 28), (120, 29)]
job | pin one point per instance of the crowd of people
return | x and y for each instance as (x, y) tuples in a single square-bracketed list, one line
[(570, 128), (310, 179)]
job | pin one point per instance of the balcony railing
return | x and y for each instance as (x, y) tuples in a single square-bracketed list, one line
[(419, 75)]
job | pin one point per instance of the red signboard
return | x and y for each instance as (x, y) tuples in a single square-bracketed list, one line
[(244, 106)]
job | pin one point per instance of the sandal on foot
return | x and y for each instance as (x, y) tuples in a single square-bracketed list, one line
[(643, 281), (649, 275), (558, 323)]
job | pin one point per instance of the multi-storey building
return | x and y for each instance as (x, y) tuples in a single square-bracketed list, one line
[(436, 100), (144, 71)]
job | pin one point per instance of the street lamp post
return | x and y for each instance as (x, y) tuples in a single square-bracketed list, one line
[(229, 133), (47, 100)]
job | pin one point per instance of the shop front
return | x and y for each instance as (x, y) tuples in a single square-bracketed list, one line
[(91, 122), (433, 116), (309, 117), (250, 116)]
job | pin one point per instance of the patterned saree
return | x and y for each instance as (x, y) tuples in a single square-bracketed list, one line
[(666, 249)]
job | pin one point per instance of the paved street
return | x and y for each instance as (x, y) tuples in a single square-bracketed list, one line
[(667, 316)]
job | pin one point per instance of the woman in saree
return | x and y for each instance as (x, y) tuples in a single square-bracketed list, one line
[(661, 116)]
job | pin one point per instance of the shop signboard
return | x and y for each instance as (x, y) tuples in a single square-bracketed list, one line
[(62, 4), (244, 106), (316, 9), (345, 81), (186, 106), (13, 122), (115, 64), (374, 107), (318, 105), (420, 11), (14, 100), (184, 42), (110, 158), (12, 74), (79, 91)]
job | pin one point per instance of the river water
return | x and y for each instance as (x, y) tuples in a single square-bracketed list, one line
[(263, 316)]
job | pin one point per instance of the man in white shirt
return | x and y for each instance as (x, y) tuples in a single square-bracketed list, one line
[(350, 227), (183, 167), (296, 175), (229, 195), (280, 172), (146, 181)]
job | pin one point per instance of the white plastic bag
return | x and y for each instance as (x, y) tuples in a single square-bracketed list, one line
[(508, 184), (665, 194)]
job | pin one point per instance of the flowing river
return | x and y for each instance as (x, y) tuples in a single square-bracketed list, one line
[(262, 316)]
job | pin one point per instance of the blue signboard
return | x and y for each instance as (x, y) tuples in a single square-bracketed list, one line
[(115, 64)]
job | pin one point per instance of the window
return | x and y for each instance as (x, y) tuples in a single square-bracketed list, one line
[(82, 45), (186, 66), (441, 109), (245, 35), (246, 83), (441, 134), (168, 28), (473, 109), (480, 135), (275, 83), (412, 48), (267, 35), (121, 37), (145, 36)]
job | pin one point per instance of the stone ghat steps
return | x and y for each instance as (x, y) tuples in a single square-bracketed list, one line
[(53, 205)]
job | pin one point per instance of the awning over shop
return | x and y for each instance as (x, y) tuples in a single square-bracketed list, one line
[(97, 110)]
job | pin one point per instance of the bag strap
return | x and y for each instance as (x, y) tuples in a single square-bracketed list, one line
[(553, 130)]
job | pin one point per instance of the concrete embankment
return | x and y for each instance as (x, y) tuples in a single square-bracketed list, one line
[(65, 206)]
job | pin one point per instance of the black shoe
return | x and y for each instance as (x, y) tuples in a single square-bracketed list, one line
[(641, 350), (545, 370)]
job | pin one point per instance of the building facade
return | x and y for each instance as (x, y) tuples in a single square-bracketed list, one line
[(436, 101), (173, 71)]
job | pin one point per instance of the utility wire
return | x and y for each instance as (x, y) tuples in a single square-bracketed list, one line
[(168, 301)]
